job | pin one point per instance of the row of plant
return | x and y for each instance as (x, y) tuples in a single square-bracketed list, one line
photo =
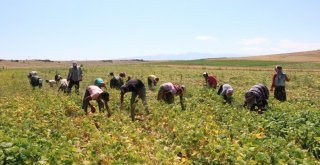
[(47, 127)]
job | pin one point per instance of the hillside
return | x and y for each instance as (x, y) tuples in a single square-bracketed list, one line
[(307, 56)]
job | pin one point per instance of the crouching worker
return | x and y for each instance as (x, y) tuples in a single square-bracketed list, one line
[(258, 97), (57, 77), (152, 81), (95, 93), (34, 79), (116, 82), (138, 89), (99, 82), (226, 92), (122, 74), (210, 80), (63, 86), (51, 82), (168, 91)]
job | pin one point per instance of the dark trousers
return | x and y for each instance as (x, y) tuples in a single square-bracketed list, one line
[(35, 81), (150, 83), (280, 93), (76, 84), (220, 89), (142, 94)]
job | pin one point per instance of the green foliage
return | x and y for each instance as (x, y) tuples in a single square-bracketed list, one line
[(242, 63), (45, 127)]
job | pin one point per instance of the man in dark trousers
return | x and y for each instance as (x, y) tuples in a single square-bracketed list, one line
[(74, 77), (138, 89)]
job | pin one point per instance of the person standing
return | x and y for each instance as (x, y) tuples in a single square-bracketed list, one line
[(74, 77), (279, 82)]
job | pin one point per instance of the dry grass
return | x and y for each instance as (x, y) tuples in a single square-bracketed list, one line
[(42, 64), (307, 56)]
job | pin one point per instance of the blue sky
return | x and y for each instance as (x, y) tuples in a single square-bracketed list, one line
[(81, 29)]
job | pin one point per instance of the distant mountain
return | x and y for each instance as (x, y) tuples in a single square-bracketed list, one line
[(185, 56)]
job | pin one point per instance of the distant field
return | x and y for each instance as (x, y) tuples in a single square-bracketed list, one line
[(62, 64), (308, 60), (307, 56), (245, 63)]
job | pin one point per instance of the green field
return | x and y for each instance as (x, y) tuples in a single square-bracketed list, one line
[(243, 63), (46, 127)]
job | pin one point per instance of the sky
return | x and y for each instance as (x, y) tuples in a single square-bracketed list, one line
[(120, 29)]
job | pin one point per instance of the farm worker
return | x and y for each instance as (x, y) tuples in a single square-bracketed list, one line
[(34, 79), (168, 91), (93, 92), (51, 82), (57, 77), (129, 78), (257, 96), (116, 82), (279, 82), (63, 85), (210, 80), (122, 74), (111, 74), (138, 89), (226, 91), (74, 77), (99, 82), (152, 81)]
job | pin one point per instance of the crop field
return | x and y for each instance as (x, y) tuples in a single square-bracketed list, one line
[(43, 126)]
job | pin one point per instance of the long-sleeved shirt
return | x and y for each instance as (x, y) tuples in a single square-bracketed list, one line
[(212, 81), (279, 79), (226, 88), (75, 73)]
